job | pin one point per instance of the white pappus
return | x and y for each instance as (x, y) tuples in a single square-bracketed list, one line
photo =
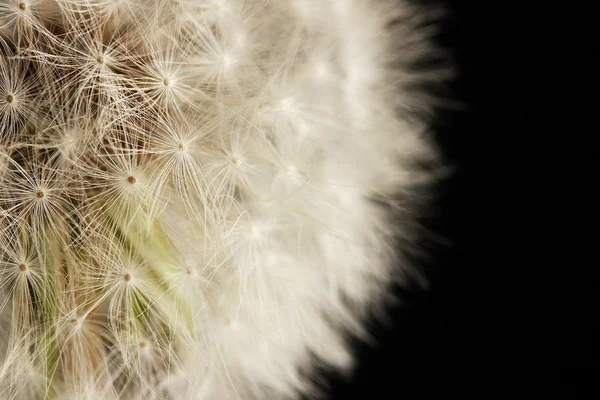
[(198, 197)]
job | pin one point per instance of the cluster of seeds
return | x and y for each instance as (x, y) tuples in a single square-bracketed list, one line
[(184, 191)]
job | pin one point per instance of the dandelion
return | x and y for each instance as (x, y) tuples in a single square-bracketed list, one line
[(198, 197)]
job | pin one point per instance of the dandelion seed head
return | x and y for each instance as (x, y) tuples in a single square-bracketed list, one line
[(187, 186)]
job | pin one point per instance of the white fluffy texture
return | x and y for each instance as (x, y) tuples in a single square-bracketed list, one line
[(186, 191)]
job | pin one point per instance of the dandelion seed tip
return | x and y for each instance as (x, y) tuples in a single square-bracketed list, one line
[(100, 59), (235, 161), (181, 147), (10, 98), (127, 277), (40, 194), (23, 267), (74, 323), (167, 81), (226, 60), (23, 6), (131, 179), (143, 344)]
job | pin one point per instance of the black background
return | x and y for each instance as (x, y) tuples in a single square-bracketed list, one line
[(453, 323)]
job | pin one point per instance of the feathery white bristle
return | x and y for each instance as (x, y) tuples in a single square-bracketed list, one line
[(187, 190)]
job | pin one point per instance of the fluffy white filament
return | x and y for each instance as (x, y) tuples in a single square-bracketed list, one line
[(195, 195)]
